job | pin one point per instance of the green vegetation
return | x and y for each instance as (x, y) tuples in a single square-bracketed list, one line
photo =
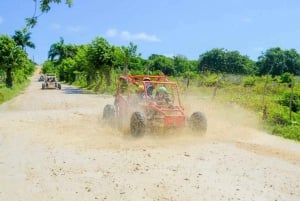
[(9, 93), (274, 102)]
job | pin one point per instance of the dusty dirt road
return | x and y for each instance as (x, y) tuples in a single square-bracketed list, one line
[(54, 146)]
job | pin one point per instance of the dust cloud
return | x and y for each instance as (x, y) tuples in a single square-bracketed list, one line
[(54, 145)]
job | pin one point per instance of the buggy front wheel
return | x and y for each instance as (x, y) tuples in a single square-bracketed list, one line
[(137, 124), (109, 114), (198, 122)]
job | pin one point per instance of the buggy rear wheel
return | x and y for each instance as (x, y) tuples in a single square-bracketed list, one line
[(198, 122), (43, 86), (137, 124), (109, 114)]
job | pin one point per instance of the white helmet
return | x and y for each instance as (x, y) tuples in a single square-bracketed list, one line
[(162, 89)]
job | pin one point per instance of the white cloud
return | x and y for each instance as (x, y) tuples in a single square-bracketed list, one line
[(1, 20), (126, 35), (111, 33)]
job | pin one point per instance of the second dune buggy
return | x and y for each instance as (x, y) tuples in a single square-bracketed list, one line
[(50, 81)]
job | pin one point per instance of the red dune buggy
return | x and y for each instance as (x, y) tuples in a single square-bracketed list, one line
[(146, 104)]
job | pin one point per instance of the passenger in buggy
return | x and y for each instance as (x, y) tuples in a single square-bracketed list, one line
[(162, 96)]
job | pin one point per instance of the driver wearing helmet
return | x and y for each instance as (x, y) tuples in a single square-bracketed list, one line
[(149, 86), (162, 96)]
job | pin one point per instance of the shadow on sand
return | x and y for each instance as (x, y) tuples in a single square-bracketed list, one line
[(72, 90)]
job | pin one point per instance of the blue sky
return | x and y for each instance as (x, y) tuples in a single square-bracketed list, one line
[(167, 27)]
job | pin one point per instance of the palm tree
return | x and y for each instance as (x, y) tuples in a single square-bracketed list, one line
[(22, 39), (61, 51)]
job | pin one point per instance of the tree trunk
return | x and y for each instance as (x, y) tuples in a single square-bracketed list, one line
[(264, 105), (291, 98), (89, 78), (188, 82), (107, 74), (9, 81), (217, 86)]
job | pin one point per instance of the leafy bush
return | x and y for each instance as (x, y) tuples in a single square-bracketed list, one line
[(286, 98), (48, 67), (286, 78), (290, 132), (80, 79), (9, 93), (1, 98), (232, 79), (279, 119), (249, 81), (189, 74), (208, 80), (267, 91)]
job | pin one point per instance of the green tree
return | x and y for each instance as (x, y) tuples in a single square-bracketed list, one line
[(11, 57), (48, 67), (43, 6), (272, 62), (161, 63), (223, 61), (66, 70), (292, 61), (83, 68), (131, 59), (181, 64), (22, 39), (213, 60), (100, 55), (239, 64), (59, 51), (81, 57), (276, 61)]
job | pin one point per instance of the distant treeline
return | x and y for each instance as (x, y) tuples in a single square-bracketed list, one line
[(98, 60)]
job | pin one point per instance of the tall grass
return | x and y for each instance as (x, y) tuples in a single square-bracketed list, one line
[(9, 93), (269, 100)]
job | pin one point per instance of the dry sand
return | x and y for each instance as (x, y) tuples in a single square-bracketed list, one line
[(54, 146)]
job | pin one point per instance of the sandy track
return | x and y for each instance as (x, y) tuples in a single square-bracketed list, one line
[(54, 146)]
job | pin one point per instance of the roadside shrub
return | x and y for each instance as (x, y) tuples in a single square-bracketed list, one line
[(209, 80), (277, 114), (1, 98), (48, 67), (249, 81), (233, 79), (286, 78), (189, 75), (80, 79), (285, 101), (279, 119), (290, 132)]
